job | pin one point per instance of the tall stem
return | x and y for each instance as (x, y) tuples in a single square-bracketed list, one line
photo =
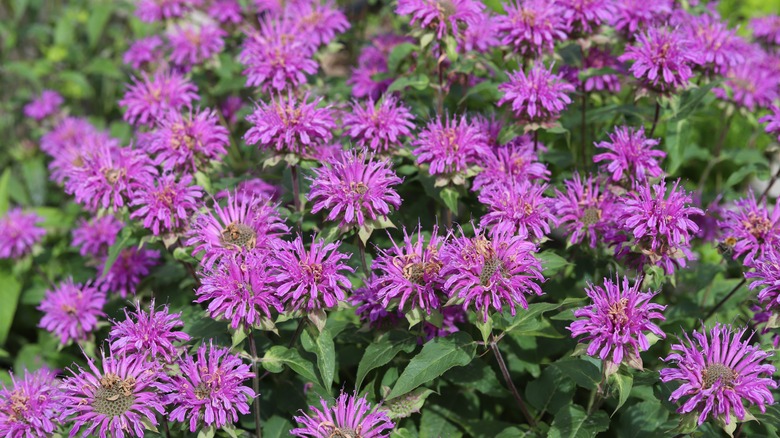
[(255, 382), (655, 117), (726, 298), (583, 128), (508, 379), (769, 186), (362, 249), (536, 140), (164, 422), (440, 71), (296, 192)]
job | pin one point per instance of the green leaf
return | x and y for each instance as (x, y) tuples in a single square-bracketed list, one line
[(551, 262), (398, 54), (98, 18), (382, 351), (436, 357), (4, 200), (122, 242), (528, 320), (622, 383), (425, 40), (276, 427), (485, 328), (238, 337), (647, 416), (433, 425), (487, 90), (325, 350), (690, 101), (583, 373), (406, 405), (676, 143), (19, 7), (451, 48), (279, 355), (450, 197), (745, 171), (573, 422), (551, 391), (35, 178), (418, 82), (10, 289)]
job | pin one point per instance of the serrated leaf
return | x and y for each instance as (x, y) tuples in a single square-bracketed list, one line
[(325, 350), (450, 197), (437, 356), (407, 404), (573, 422), (382, 351), (622, 383), (10, 289)]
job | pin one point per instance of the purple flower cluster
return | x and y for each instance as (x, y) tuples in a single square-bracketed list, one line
[(45, 105), (663, 59), (630, 155), (32, 406), (19, 232), (538, 96), (449, 147), (71, 310), (379, 126), (349, 416), (750, 228)]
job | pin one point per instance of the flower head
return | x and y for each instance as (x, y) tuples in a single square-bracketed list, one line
[(371, 62), (585, 209), (491, 269), (596, 58), (354, 188), (442, 16), (143, 51), (616, 323), (321, 21), (226, 11), (158, 10), (631, 16), (767, 277), (19, 232), (480, 35), (289, 125), (95, 236), (115, 399), (151, 333), (166, 205), (586, 16), (68, 144), (751, 229), (244, 223), (711, 37), (772, 121), (130, 267), (409, 273), (630, 155), (188, 142), (44, 105), (719, 372), (148, 99), (349, 416), (237, 290), (449, 147), (660, 223), (192, 45), (523, 205), (662, 59), (310, 279), (512, 163), (532, 27), (32, 406), (210, 389), (369, 307), (379, 126), (750, 84), (71, 310), (538, 96), (451, 315), (766, 29)]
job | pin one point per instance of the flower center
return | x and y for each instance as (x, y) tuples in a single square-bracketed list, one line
[(340, 432), (360, 188), (112, 175), (202, 391), (240, 235), (718, 372), (591, 216), (315, 270), (67, 308), (115, 396), (617, 312), (757, 226), (488, 269), (19, 406)]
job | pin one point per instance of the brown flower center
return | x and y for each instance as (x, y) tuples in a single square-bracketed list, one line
[(717, 371), (617, 312), (591, 216), (240, 235), (115, 396), (315, 270), (202, 391), (112, 175), (757, 226), (340, 432), (488, 269), (360, 188)]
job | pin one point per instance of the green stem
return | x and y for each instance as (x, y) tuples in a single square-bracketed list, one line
[(508, 379), (726, 298), (296, 193), (655, 118), (362, 249), (255, 382)]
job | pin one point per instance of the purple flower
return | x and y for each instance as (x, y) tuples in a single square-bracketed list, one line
[(44, 105), (767, 276), (277, 56), (370, 309), (319, 21), (761, 317), (662, 59), (537, 97), (192, 45), (151, 333), (68, 143), (751, 229), (716, 44), (586, 16), (633, 15), (585, 209), (379, 126), (766, 29), (188, 142), (596, 58), (372, 61), (616, 323), (410, 273), (354, 188), (718, 373), (660, 223), (772, 121), (209, 390), (95, 236), (450, 147), (480, 35), (226, 11), (18, 233), (143, 51), (752, 83), (312, 279), (349, 416), (521, 205), (290, 126), (130, 267), (110, 174), (491, 269), (237, 291), (166, 205), (442, 16), (630, 155), (450, 316), (512, 163), (531, 27), (244, 223), (114, 400), (32, 407), (149, 99), (230, 108), (256, 187), (71, 310), (158, 10)]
